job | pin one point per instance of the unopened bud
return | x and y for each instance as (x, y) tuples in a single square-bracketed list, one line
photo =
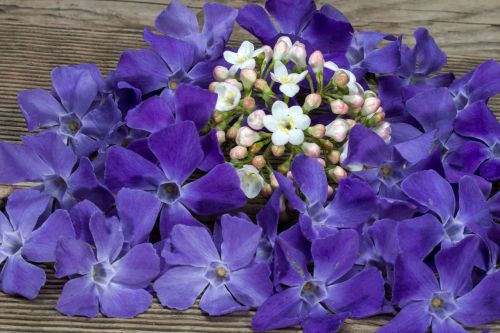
[(330, 192), (248, 103), (218, 117), (298, 54), (339, 107), (337, 173), (246, 137), (312, 101), (259, 162), (370, 106), (317, 131), (284, 167), (311, 149), (334, 156), (289, 175), (337, 130), (278, 150), (281, 48), (221, 73), (268, 52), (221, 137), (356, 101), (235, 83), (256, 120), (377, 117), (350, 123), (267, 190), (232, 132), (341, 78), (262, 86), (321, 161), (212, 85), (317, 61), (274, 181), (248, 76), (238, 153), (384, 131), (257, 147)]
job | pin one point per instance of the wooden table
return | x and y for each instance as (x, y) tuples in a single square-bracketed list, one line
[(37, 35)]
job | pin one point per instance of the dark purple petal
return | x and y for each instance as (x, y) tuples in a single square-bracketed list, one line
[(144, 69), (360, 296), (467, 158), (177, 20), (287, 187), (73, 257), (255, 20), (191, 246), (414, 280), (311, 178), (366, 148), (385, 240), (420, 235), (24, 207), (268, 216), (335, 256), (477, 121), (39, 108), (352, 205), (138, 211), (217, 301), (100, 121), (218, 25), (455, 264), (281, 310), (20, 164), (174, 214), (41, 245), (434, 110), (323, 322), (240, 239), (19, 277), (180, 286), (429, 57), (290, 264), (108, 237), (137, 267), (251, 286), (178, 149), (291, 21), (418, 148), (447, 326), (473, 207), (212, 151), (216, 192), (432, 191), (124, 168), (334, 13), (383, 60), (413, 318), (490, 170), (484, 81), (482, 304), (79, 298), (177, 53), (390, 93), (195, 104), (121, 302)]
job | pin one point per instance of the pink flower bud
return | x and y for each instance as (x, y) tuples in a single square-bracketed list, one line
[(370, 106), (267, 190), (337, 130), (384, 131), (341, 78), (259, 162), (217, 117), (221, 137), (274, 181), (356, 101), (311, 149), (261, 85), (212, 85), (235, 83), (278, 150), (248, 76), (289, 175), (298, 55), (317, 131), (317, 61), (321, 161), (238, 153), (231, 133), (334, 156), (268, 52), (330, 192), (350, 123), (312, 101), (338, 173), (256, 120), (339, 107), (246, 136), (248, 103), (221, 73), (280, 50)]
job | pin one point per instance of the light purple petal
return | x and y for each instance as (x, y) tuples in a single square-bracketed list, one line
[(385, 240), (177, 20), (20, 164), (218, 25), (80, 215), (79, 298), (240, 239), (73, 257), (420, 235), (473, 207), (19, 277), (290, 264), (24, 208), (180, 286), (311, 178), (39, 108), (413, 318), (447, 326), (137, 267), (217, 301), (291, 21), (477, 121), (108, 237), (383, 60), (251, 286), (121, 302), (174, 214)]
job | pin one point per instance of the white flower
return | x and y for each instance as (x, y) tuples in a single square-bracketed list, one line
[(228, 96), (287, 124), (288, 85), (244, 58), (251, 182)]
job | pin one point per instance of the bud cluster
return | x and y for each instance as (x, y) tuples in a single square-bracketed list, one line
[(276, 102)]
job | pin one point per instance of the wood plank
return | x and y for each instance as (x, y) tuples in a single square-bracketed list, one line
[(37, 35)]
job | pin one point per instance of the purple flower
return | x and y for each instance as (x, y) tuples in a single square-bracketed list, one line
[(225, 268), (267, 219), (326, 29), (352, 205), (445, 304), (311, 299), (177, 147), (105, 278), (23, 238), (46, 159), (77, 110)]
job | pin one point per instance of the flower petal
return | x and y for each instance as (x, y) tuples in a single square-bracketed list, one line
[(419, 235), (108, 237), (255, 20), (251, 286), (151, 115), (195, 104), (217, 301), (177, 20), (295, 136), (289, 89), (39, 108), (79, 298), (413, 318), (174, 214), (311, 178), (477, 121), (24, 208), (240, 239), (121, 302), (291, 21), (19, 277), (73, 257), (137, 267), (179, 60)]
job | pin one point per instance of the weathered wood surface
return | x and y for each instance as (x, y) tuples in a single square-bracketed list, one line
[(37, 35)]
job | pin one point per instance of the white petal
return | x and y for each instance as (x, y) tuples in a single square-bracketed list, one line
[(331, 66), (251, 182), (279, 138), (296, 136), (297, 77), (270, 123), (295, 110), (280, 110), (257, 52), (234, 68), (301, 121), (289, 89), (230, 57), (275, 78), (280, 69), (250, 63), (287, 40), (246, 49)]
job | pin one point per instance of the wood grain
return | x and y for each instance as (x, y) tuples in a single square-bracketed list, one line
[(37, 35)]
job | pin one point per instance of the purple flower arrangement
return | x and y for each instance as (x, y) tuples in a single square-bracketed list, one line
[(380, 175)]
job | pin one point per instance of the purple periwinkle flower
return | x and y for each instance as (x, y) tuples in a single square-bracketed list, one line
[(24, 240), (313, 299), (177, 147), (225, 269), (104, 278), (445, 303)]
